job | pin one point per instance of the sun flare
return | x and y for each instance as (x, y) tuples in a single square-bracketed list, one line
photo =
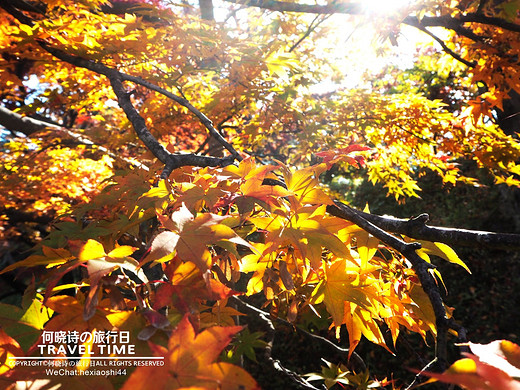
[(384, 6)]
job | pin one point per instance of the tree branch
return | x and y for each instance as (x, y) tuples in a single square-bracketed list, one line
[(445, 47), (116, 78), (282, 6), (171, 161), (138, 122), (312, 27), (185, 103), (420, 266), (13, 122), (416, 228), (270, 334), (451, 23), (329, 345), (447, 20)]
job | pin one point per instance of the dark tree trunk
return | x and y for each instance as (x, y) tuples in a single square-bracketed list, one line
[(206, 9), (509, 118)]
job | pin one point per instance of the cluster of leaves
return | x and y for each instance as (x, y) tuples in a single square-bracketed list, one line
[(300, 256), (255, 88), (169, 259), (48, 179)]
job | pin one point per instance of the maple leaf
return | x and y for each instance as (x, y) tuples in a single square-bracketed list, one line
[(189, 237), (252, 188), (352, 297), (473, 374), (257, 263), (9, 348), (306, 229), (100, 264), (441, 250), (347, 155), (343, 282), (71, 315), (190, 361), (188, 287), (24, 324), (502, 354), (219, 315), (254, 191), (305, 183)]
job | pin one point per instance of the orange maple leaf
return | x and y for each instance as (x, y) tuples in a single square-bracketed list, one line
[(189, 237), (348, 155), (189, 361)]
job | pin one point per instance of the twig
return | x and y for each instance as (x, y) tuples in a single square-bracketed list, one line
[(309, 31), (443, 45), (185, 103), (419, 375), (322, 340), (270, 334)]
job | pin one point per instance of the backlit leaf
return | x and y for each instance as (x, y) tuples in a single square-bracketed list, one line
[(190, 362)]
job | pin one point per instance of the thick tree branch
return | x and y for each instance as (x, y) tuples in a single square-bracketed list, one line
[(451, 23), (282, 6), (22, 5), (185, 103), (116, 79), (416, 228), (138, 122), (123, 98), (454, 23), (171, 161), (13, 122), (113, 74), (13, 7), (447, 22), (206, 9)]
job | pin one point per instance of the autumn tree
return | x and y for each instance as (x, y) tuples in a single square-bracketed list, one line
[(169, 169)]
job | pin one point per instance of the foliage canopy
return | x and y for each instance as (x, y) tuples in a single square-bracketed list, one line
[(175, 173)]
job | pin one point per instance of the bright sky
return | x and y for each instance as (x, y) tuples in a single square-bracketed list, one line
[(353, 42), (384, 6), (360, 52)]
